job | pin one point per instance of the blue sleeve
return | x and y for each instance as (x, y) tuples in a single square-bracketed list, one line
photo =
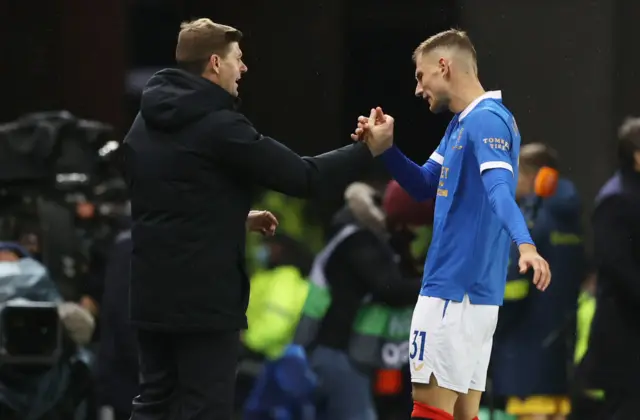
[(420, 182), (492, 141), (496, 183)]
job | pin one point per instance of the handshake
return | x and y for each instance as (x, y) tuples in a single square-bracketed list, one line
[(376, 131)]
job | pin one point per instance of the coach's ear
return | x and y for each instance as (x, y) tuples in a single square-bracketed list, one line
[(214, 60)]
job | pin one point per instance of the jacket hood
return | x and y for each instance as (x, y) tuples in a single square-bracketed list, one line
[(565, 202), (173, 98)]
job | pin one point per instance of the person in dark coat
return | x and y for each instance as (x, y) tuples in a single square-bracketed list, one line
[(193, 162), (117, 361), (612, 361), (533, 344)]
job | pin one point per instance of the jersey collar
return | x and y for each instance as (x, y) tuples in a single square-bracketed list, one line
[(492, 94)]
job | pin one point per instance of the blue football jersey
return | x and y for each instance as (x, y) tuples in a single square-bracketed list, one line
[(469, 253)]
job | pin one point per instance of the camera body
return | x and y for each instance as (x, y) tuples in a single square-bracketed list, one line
[(31, 333)]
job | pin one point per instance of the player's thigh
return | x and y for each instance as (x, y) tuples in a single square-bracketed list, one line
[(482, 319), (479, 377), (467, 405), (430, 359), (440, 345), (426, 337)]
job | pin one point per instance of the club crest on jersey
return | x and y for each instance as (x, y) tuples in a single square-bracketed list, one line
[(457, 146)]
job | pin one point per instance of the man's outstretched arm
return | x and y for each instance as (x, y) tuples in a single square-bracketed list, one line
[(264, 161)]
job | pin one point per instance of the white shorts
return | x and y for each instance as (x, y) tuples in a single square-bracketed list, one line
[(452, 341)]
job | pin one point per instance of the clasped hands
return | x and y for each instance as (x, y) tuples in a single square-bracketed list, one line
[(376, 131)]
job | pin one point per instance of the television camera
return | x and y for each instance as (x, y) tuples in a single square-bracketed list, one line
[(61, 195)]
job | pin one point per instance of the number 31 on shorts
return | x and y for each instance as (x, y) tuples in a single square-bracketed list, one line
[(417, 345)]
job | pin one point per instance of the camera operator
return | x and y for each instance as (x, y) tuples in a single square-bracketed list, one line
[(42, 375), (78, 322)]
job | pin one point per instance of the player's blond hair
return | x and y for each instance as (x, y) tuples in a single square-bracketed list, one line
[(454, 39), (199, 39)]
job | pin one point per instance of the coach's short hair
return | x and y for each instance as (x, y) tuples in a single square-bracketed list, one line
[(199, 39), (534, 156), (452, 38), (628, 141)]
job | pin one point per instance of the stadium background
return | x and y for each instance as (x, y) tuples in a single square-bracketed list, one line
[(568, 70)]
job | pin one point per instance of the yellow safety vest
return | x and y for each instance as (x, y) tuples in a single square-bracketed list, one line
[(586, 310), (275, 304)]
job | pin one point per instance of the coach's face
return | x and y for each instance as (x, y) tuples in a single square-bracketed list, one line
[(229, 69), (431, 79)]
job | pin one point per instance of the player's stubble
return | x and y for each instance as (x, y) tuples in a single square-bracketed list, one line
[(439, 104)]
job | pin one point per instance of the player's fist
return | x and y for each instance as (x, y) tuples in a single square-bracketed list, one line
[(376, 131), (262, 221), (530, 259)]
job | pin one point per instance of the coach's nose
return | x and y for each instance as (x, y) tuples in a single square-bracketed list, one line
[(419, 90)]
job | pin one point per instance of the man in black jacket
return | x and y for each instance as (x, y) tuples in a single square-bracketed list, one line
[(117, 359), (193, 162), (612, 362)]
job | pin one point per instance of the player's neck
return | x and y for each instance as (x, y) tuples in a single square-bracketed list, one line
[(468, 91)]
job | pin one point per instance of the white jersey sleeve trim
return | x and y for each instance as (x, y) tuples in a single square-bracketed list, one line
[(437, 157), (496, 164)]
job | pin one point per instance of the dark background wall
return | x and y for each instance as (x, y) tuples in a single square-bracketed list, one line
[(63, 54), (567, 69)]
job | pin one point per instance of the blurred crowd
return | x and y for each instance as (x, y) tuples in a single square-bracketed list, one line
[(330, 307)]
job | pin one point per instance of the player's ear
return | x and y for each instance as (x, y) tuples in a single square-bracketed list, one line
[(443, 66)]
